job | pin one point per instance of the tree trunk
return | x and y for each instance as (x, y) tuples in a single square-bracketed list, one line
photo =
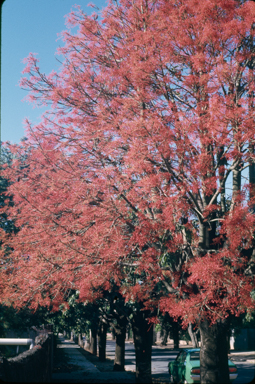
[(252, 174), (222, 161), (93, 341), (102, 332), (236, 180), (175, 328), (207, 235), (80, 340), (113, 333), (165, 336), (87, 344), (129, 332), (214, 352), (154, 336), (193, 336), (236, 184), (143, 333), (120, 332)]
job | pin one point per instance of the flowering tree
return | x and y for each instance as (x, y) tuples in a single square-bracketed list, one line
[(128, 173)]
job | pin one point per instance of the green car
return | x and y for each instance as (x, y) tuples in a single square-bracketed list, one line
[(186, 367)]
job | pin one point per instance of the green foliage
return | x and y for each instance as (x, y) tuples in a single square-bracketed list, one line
[(246, 320), (77, 317), (17, 321)]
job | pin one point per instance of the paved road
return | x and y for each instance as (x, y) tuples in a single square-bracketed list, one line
[(245, 363), (162, 356)]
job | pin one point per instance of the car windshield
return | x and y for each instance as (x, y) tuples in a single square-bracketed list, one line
[(195, 355)]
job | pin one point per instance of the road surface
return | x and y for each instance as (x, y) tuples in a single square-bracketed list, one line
[(161, 356)]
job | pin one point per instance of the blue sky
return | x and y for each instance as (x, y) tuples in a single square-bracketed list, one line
[(29, 26)]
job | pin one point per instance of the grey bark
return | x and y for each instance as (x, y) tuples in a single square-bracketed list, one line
[(143, 333), (214, 352), (222, 161), (93, 340), (102, 331), (252, 173), (120, 332), (165, 336), (193, 336), (175, 330)]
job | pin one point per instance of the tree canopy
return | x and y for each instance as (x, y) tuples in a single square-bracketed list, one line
[(127, 176)]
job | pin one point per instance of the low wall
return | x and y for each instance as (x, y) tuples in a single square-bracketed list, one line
[(32, 366)]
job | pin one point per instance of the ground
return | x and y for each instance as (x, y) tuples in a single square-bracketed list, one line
[(61, 361), (75, 365)]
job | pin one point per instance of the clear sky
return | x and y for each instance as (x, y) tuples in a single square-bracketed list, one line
[(29, 26)]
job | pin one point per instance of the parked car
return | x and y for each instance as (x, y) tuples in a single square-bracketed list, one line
[(186, 367)]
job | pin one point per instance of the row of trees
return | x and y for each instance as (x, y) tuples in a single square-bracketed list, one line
[(108, 314), (126, 181)]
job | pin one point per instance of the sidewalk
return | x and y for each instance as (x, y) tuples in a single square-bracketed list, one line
[(82, 370)]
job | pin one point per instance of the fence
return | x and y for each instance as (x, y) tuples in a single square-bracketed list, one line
[(32, 366)]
